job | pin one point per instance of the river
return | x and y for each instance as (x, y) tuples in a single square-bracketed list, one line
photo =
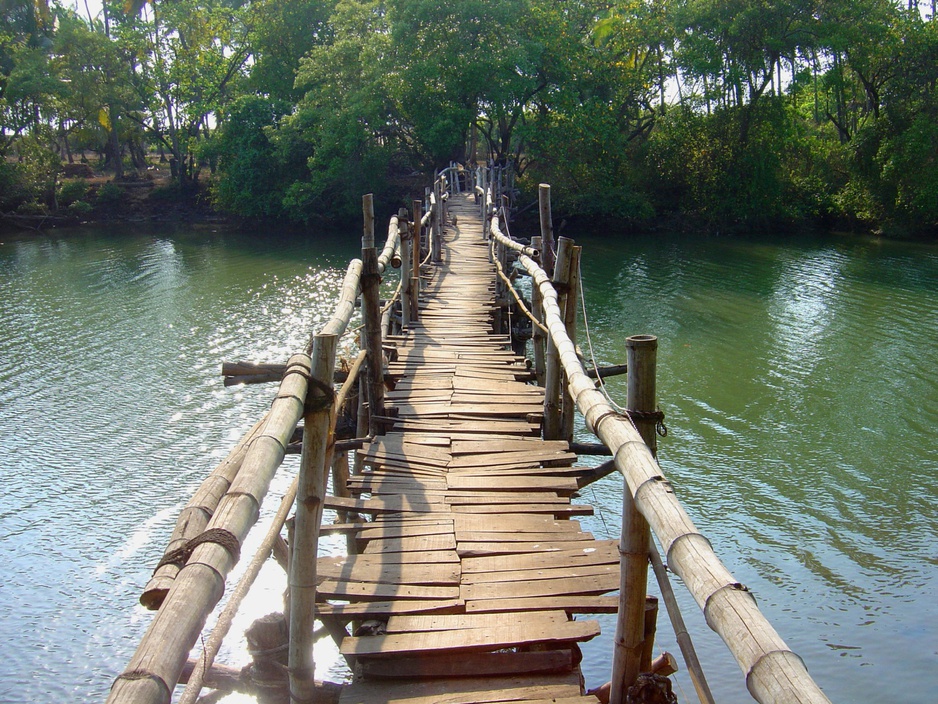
[(797, 376)]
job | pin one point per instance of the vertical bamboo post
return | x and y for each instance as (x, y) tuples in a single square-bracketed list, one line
[(318, 425), (436, 232), (634, 540), (537, 335), (371, 314), (407, 263), (417, 253), (553, 375), (571, 302), (483, 184), (547, 228)]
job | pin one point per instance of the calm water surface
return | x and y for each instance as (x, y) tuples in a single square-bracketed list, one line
[(797, 377)]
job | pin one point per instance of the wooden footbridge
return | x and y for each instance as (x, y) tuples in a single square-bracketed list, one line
[(468, 576)]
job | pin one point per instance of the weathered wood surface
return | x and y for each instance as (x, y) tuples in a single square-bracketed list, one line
[(471, 555)]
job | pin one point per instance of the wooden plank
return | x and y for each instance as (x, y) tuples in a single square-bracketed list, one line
[(470, 549), (470, 639), (479, 536), (574, 604), (528, 575), (600, 552), (511, 523), (557, 510), (560, 485), (331, 589), (455, 622), (369, 609), (599, 584), (419, 543), (388, 505), (520, 469), (403, 530), (405, 573), (471, 665), (468, 447)]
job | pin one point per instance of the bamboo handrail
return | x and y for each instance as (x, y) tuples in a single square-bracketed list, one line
[(774, 673), (226, 618), (195, 516), (155, 667), (392, 247)]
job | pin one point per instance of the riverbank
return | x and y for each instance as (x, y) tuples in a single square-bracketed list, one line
[(88, 197)]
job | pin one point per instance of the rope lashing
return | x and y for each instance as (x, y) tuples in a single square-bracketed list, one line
[(318, 403), (144, 675), (219, 536), (656, 416)]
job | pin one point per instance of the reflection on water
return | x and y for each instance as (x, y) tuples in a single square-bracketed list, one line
[(799, 387), (797, 378)]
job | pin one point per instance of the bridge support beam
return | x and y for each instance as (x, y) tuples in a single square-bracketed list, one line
[(371, 313), (633, 543), (318, 427)]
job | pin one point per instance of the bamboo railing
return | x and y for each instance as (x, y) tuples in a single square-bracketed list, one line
[(206, 543), (774, 673)]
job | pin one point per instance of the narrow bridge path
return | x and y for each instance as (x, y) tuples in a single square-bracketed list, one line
[(474, 559)]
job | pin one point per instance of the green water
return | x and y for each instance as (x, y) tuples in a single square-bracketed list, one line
[(797, 377)]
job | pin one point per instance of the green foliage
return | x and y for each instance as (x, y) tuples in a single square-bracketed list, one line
[(80, 208), (248, 166), (736, 113), (109, 195), (71, 191)]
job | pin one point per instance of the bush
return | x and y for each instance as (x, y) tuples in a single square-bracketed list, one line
[(72, 191), (110, 194), (80, 207)]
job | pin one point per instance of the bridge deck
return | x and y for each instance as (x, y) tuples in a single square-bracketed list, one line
[(474, 558)]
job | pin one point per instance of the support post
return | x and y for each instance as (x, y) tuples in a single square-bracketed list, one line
[(547, 228), (417, 253), (538, 340), (633, 543), (371, 314), (436, 229), (553, 376), (407, 263), (318, 427), (571, 303)]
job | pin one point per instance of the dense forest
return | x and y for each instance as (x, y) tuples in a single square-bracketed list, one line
[(725, 113)]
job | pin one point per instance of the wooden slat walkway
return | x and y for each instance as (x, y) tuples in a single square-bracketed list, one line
[(473, 558)]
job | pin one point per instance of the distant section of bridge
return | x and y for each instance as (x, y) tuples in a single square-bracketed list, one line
[(474, 558)]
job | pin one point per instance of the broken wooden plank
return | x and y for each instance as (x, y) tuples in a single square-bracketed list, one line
[(470, 639), (471, 665)]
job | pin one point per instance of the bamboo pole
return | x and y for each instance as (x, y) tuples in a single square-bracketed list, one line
[(633, 542), (391, 246), (195, 516), (346, 304), (214, 642), (680, 630), (571, 304), (547, 227), (554, 372), (155, 667), (407, 263), (318, 428), (538, 339), (432, 218), (774, 673), (371, 314), (417, 253)]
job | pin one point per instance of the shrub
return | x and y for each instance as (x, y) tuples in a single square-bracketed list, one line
[(80, 207), (72, 191), (110, 194)]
